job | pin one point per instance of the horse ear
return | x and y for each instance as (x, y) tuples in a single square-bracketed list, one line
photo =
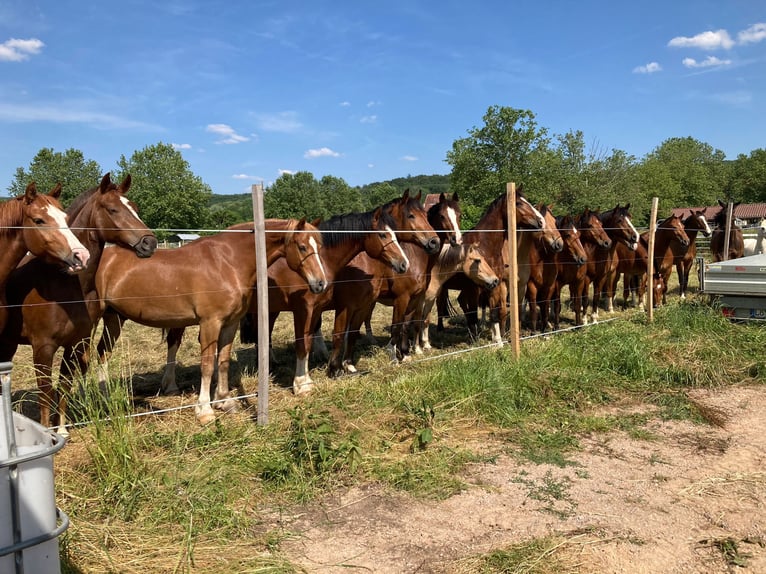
[(376, 217), (301, 223), (125, 185), (442, 197), (455, 197), (56, 191), (316, 222), (627, 206), (419, 195), (106, 181), (406, 194), (30, 192)]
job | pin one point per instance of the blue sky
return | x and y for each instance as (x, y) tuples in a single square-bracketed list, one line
[(369, 91)]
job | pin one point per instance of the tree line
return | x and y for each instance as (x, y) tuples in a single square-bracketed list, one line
[(556, 169)]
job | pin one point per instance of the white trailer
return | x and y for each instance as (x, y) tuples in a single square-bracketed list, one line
[(739, 286)]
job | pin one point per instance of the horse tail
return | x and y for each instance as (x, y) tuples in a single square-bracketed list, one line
[(248, 330)]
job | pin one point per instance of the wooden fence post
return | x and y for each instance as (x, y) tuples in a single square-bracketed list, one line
[(650, 262), (513, 270), (262, 300), (729, 222)]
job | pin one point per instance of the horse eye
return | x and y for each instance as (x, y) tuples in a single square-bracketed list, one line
[(411, 216), (302, 248), (382, 235), (39, 221)]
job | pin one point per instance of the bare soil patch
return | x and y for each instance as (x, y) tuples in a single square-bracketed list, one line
[(688, 499)]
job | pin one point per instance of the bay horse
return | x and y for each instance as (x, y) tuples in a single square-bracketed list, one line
[(36, 223), (52, 310), (619, 227), (718, 238), (208, 282), (755, 246), (344, 236), (596, 244), (490, 235), (669, 235), (684, 258), (546, 265)]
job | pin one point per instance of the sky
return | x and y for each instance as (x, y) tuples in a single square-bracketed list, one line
[(369, 91)]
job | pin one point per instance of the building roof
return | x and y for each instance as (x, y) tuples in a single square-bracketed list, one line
[(747, 211), (431, 200)]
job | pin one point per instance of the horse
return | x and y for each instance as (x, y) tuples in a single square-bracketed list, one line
[(669, 233), (596, 243), (36, 223), (684, 257), (602, 270), (546, 265), (490, 235), (363, 283), (633, 266), (718, 238), (208, 282), (344, 236), (755, 246), (50, 310)]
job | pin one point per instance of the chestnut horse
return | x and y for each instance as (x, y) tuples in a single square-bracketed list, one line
[(490, 235), (344, 237), (36, 223), (50, 310), (602, 270), (546, 265), (633, 266), (208, 282), (669, 236), (684, 257), (363, 283), (596, 244), (718, 239)]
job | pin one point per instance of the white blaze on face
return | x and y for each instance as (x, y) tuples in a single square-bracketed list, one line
[(633, 229), (398, 245), (126, 203), (315, 247), (452, 216), (705, 225), (60, 218), (538, 215)]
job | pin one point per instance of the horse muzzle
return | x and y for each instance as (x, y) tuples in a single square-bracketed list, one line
[(317, 286), (432, 245), (146, 246), (77, 260)]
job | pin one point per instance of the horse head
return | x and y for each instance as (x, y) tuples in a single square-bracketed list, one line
[(411, 222), (444, 216)]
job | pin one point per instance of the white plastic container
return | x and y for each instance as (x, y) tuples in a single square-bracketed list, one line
[(28, 531)]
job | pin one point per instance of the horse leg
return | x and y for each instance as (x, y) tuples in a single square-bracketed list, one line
[(399, 338), (168, 386), (532, 300), (306, 329), (74, 363), (42, 358), (334, 365), (208, 338), (223, 398), (113, 323)]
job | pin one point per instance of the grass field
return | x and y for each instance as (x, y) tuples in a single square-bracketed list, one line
[(159, 493)]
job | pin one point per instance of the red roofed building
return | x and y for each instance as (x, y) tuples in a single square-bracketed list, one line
[(750, 213)]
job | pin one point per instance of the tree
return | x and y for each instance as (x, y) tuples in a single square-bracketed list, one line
[(166, 191), (748, 177), (498, 152), (338, 197), (71, 169), (378, 194), (294, 195)]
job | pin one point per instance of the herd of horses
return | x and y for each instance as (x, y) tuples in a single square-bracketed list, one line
[(63, 272)]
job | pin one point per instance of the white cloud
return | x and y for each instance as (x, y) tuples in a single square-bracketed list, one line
[(321, 152), (368, 119), (649, 68), (345, 104), (244, 176), (372, 104), (181, 146), (16, 50), (370, 165), (67, 113), (754, 34), (286, 171), (282, 122), (409, 158), (708, 62), (708, 40), (226, 134)]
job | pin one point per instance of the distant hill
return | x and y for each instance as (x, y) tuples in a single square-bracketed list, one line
[(237, 207)]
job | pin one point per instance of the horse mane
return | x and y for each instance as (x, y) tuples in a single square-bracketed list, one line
[(721, 216), (81, 200), (409, 201), (339, 228), (450, 254), (10, 215)]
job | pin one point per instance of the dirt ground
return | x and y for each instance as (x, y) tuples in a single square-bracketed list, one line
[(685, 499)]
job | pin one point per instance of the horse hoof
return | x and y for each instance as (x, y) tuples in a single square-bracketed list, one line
[(406, 358), (351, 369), (205, 418), (228, 406), (303, 388)]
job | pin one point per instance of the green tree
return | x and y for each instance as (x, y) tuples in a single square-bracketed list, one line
[(748, 177), (502, 150), (338, 197), (378, 194), (71, 169), (165, 189), (294, 195)]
